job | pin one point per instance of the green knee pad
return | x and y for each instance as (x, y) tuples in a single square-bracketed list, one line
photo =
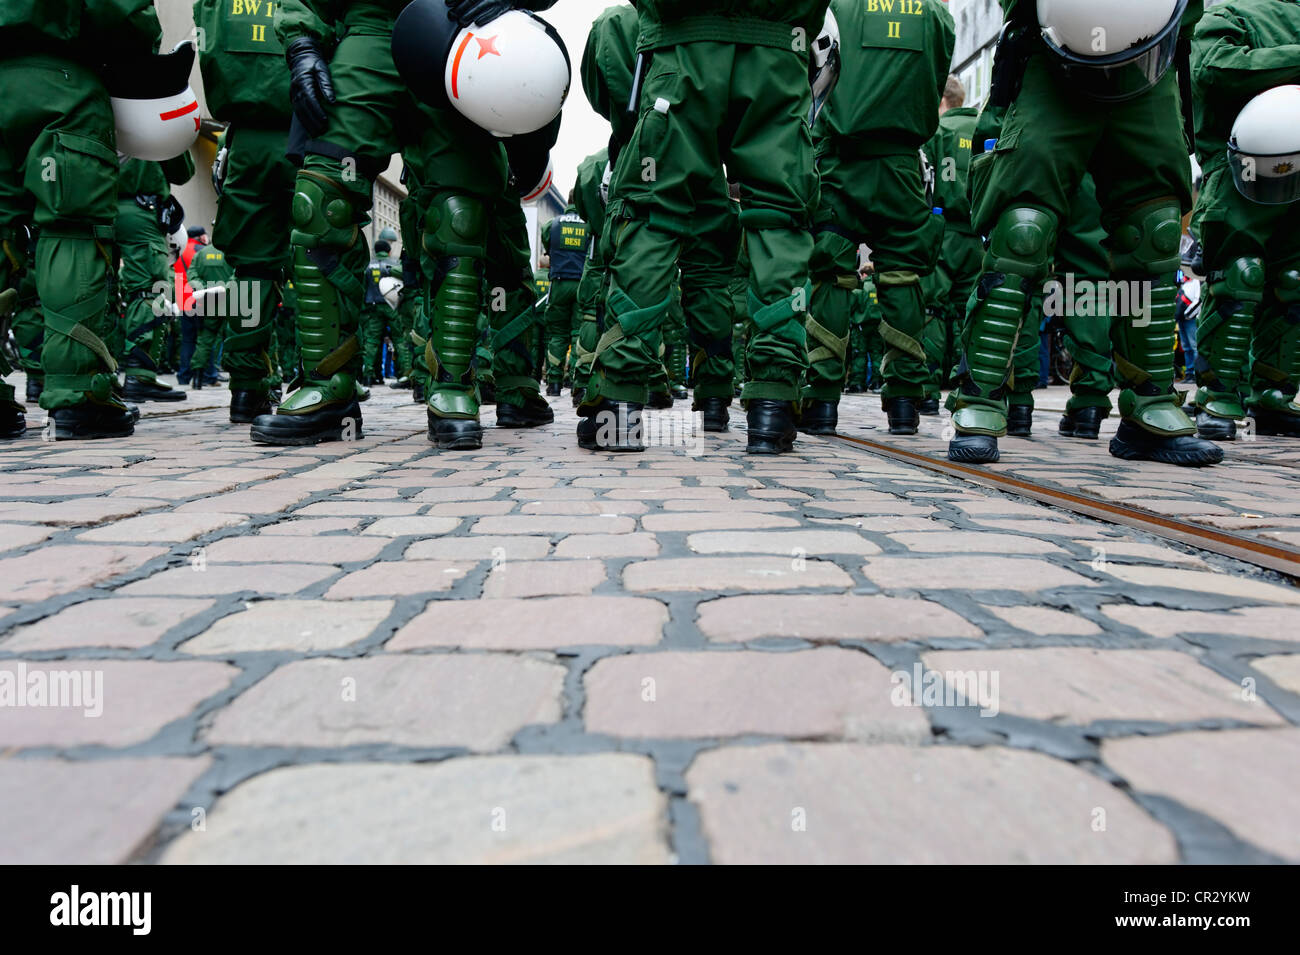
[(1144, 258), (1017, 261), (1223, 336)]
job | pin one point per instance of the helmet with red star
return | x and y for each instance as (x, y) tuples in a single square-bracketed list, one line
[(510, 76)]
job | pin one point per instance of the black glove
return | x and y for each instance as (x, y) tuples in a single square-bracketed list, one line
[(310, 86), (170, 215), (465, 12)]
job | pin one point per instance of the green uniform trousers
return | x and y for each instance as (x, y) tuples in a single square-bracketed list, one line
[(1232, 228), (145, 280), (58, 171), (252, 228), (563, 320), (947, 290), (879, 200), (706, 104)]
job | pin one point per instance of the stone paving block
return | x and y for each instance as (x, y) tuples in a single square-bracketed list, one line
[(626, 508), (308, 526), (1264, 623), (479, 548), (1005, 506), (892, 508), (478, 702), (266, 497), (827, 692), (173, 490), (539, 624), (75, 513), (829, 617), (63, 568), (974, 542), (340, 508), (731, 505), (1044, 620), (168, 527), (969, 573), (13, 536), (94, 812), (1153, 553), (715, 520), (1055, 528), (395, 578), (554, 524), (344, 549), (122, 622), (835, 803), (733, 573), (1284, 670), (600, 809), (804, 542), (412, 526), (1248, 780), (608, 545), (543, 578), (134, 699), (300, 625), (1226, 585), (1080, 685), (216, 579), (461, 490), (460, 509)]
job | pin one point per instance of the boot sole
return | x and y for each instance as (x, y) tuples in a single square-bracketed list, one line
[(974, 455), (765, 444), (60, 435), (819, 429), (174, 396), (715, 427), (524, 422), (904, 428), (1186, 459), (250, 418), (469, 440)]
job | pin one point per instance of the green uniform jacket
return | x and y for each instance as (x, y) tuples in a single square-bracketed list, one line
[(1240, 49), (951, 158), (586, 192), (328, 20), (122, 27), (895, 58), (209, 268), (771, 23), (242, 61), (140, 177), (607, 63)]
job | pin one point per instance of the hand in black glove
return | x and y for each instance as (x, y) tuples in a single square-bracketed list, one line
[(465, 12), (310, 86)]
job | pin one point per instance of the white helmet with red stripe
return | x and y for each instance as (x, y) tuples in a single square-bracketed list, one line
[(510, 76), (154, 108)]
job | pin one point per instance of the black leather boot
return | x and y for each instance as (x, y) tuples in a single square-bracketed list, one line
[(1274, 423), (1133, 443), (1214, 428), (34, 388), (771, 426), (1082, 422), (660, 400), (679, 391), (1020, 420), (903, 416), (92, 420), (928, 407), (13, 421), (455, 434), (247, 406), (553, 389), (714, 413), (819, 417), (532, 414), (611, 426), (335, 422), (973, 449), (142, 389)]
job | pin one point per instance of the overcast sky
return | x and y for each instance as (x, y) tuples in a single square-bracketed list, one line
[(582, 132)]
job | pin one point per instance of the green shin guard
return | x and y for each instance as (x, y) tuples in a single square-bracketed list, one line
[(327, 255), (1276, 351), (1223, 336), (1144, 259), (455, 238), (1020, 249)]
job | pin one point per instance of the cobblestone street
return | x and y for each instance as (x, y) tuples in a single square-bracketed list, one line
[(372, 651)]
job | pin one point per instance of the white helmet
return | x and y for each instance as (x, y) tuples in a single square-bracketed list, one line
[(510, 76), (154, 108), (824, 68), (177, 241), (1112, 49), (390, 287), (1264, 150), (538, 189)]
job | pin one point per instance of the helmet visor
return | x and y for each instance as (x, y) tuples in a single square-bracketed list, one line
[(1125, 75), (1268, 180)]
